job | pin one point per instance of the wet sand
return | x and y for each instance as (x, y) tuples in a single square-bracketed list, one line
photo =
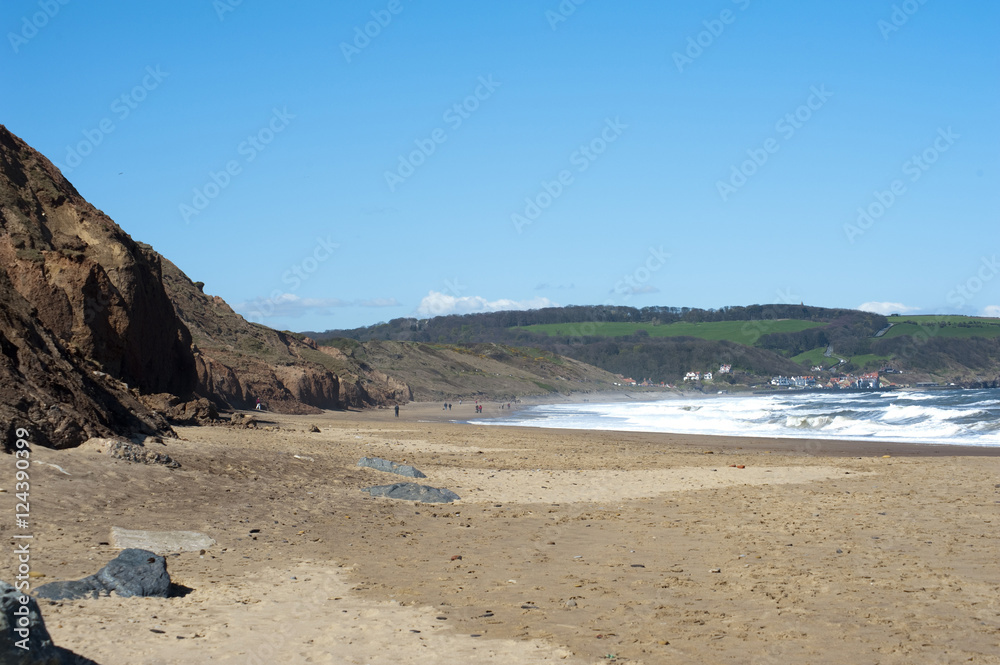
[(567, 546)]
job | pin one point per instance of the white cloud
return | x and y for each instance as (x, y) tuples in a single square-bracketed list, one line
[(886, 308), (991, 310), (442, 304)]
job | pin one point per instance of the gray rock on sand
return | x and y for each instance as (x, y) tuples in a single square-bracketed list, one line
[(380, 464), (413, 492), (40, 650), (161, 542), (130, 452), (134, 572)]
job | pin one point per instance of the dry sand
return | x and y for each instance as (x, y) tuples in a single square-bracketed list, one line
[(576, 547)]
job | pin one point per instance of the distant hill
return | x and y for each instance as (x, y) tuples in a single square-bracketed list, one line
[(437, 372), (664, 343)]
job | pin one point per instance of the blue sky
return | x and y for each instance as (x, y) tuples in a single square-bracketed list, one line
[(472, 156)]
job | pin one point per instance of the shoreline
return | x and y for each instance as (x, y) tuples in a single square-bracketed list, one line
[(433, 413)]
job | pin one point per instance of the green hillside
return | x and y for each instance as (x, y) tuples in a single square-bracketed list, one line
[(663, 343), (741, 332), (944, 326)]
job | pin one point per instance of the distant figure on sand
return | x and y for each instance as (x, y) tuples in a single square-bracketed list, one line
[(258, 404), (397, 411)]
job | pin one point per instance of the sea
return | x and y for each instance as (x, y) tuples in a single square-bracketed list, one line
[(957, 417)]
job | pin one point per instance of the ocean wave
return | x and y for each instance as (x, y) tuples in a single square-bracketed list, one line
[(808, 422), (970, 417)]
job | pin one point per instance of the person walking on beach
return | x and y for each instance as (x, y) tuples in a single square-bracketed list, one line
[(258, 404), (397, 411)]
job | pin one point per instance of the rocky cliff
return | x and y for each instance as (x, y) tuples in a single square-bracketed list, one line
[(93, 325), (100, 293), (238, 362), (58, 396)]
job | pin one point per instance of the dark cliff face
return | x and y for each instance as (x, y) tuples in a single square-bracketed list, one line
[(57, 397), (100, 293)]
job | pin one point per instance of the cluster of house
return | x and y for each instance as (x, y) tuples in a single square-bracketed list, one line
[(707, 376), (865, 381)]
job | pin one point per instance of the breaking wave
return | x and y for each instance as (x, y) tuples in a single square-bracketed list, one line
[(963, 417)]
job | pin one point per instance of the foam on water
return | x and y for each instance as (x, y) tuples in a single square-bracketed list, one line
[(965, 417)]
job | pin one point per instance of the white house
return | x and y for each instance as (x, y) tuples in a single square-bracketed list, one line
[(692, 376)]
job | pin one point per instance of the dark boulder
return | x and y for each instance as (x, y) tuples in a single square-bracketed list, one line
[(413, 492), (133, 572)]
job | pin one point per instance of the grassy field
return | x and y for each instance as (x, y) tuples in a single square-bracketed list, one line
[(742, 332), (815, 357), (944, 326), (869, 361)]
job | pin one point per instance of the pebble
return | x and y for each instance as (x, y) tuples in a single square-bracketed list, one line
[(716, 570), (570, 603)]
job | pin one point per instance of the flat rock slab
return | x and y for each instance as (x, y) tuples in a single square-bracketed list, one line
[(380, 464), (134, 572), (413, 492), (161, 542)]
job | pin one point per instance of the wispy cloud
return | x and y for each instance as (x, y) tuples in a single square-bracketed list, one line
[(886, 308), (548, 286), (991, 310), (289, 305), (379, 302), (441, 304)]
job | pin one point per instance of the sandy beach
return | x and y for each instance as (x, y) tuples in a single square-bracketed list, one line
[(566, 546)]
